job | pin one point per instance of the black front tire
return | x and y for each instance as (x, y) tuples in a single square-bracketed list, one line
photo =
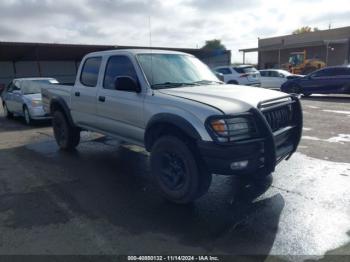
[(232, 82), (66, 135), (176, 172), (7, 113)]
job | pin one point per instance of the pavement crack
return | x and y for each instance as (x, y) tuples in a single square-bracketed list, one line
[(292, 192)]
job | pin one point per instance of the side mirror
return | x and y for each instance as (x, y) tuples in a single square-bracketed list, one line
[(126, 83)]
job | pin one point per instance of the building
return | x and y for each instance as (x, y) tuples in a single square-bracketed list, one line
[(331, 46), (61, 61)]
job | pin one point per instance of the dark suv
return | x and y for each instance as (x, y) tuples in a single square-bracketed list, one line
[(329, 80)]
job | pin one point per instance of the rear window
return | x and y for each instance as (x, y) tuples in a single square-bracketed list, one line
[(89, 73), (245, 70), (224, 71)]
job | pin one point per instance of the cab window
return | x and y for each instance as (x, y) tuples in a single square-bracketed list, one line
[(89, 73), (118, 66)]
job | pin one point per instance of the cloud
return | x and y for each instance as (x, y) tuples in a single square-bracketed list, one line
[(176, 23), (223, 5)]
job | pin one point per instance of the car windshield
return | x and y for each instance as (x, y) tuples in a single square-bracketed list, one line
[(175, 70), (34, 87)]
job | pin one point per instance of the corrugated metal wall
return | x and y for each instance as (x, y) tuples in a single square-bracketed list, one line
[(63, 71)]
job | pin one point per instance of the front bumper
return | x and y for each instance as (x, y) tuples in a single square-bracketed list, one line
[(38, 113), (263, 153)]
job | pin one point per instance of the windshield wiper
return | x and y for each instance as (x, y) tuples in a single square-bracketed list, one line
[(171, 85), (207, 82)]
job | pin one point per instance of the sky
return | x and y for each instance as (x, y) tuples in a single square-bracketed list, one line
[(172, 23)]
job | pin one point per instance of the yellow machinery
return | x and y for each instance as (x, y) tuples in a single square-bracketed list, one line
[(298, 64)]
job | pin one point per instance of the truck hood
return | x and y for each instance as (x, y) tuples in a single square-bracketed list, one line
[(227, 98)]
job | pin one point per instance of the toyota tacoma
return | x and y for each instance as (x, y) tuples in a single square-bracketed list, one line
[(173, 105)]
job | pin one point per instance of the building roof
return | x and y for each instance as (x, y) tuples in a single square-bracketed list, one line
[(318, 38), (19, 51)]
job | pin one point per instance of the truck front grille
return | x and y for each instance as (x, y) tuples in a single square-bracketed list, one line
[(279, 117)]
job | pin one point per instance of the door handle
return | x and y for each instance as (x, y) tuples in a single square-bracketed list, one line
[(102, 98), (77, 93)]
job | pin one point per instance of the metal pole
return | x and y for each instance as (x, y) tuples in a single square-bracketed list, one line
[(243, 57), (279, 58), (327, 52)]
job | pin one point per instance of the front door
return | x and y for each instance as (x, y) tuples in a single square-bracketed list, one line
[(120, 112)]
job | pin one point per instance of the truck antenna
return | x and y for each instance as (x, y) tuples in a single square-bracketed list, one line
[(150, 46)]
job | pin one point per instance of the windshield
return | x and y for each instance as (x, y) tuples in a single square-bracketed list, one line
[(296, 59), (34, 87), (175, 70)]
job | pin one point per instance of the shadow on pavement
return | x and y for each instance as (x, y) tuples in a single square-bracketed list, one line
[(102, 182), (17, 124)]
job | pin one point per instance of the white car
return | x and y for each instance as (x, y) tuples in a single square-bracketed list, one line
[(240, 75), (22, 97), (274, 78)]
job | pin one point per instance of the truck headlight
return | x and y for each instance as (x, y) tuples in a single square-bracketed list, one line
[(233, 129), (36, 103)]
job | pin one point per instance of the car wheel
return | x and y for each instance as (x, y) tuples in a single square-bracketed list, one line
[(176, 172), (27, 118), (232, 82), (7, 113), (67, 136)]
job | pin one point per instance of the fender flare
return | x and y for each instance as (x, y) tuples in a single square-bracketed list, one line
[(60, 103), (169, 119)]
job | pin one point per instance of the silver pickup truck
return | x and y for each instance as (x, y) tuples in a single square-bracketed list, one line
[(172, 104)]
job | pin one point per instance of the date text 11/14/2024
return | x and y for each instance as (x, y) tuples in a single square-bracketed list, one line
[(173, 258)]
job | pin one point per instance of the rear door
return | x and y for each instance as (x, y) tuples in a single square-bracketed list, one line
[(84, 93), (264, 74), (277, 79), (120, 112)]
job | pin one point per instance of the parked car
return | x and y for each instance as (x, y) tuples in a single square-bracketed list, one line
[(23, 97), (173, 105), (274, 78), (329, 80), (240, 75)]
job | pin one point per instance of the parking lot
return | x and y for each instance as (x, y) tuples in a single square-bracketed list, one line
[(99, 199)]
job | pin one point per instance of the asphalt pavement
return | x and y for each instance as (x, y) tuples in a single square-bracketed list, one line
[(100, 200)]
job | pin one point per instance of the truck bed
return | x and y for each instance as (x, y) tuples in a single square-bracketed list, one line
[(55, 91)]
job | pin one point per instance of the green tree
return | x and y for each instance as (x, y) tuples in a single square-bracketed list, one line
[(213, 44), (304, 29)]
